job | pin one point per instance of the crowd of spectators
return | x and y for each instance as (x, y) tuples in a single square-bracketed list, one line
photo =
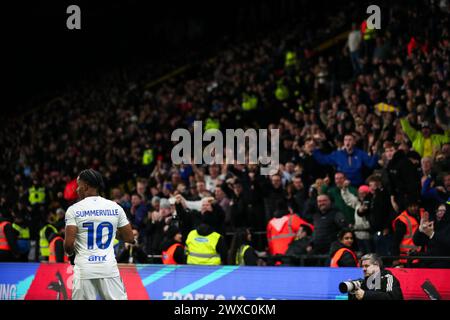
[(345, 162)]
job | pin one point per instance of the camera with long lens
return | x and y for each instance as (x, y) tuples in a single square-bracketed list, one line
[(350, 286)]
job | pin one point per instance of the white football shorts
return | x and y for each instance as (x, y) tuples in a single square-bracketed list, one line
[(105, 288)]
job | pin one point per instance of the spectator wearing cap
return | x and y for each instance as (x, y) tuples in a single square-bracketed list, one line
[(423, 141), (361, 206), (348, 160)]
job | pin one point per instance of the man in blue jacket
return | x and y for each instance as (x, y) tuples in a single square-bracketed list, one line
[(348, 160)]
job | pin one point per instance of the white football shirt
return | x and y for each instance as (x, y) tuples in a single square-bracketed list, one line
[(97, 220)]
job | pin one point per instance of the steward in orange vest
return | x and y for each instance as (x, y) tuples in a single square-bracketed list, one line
[(8, 242), (404, 227), (341, 252), (56, 248), (282, 229), (172, 248)]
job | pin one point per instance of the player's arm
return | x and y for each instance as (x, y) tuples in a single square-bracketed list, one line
[(70, 233), (124, 230), (69, 241), (126, 233)]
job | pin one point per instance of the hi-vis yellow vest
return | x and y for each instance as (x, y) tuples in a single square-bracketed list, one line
[(202, 249), (43, 242), (249, 102), (24, 233), (369, 34), (23, 240), (290, 59), (212, 124), (281, 92), (147, 157), (240, 255), (36, 195)]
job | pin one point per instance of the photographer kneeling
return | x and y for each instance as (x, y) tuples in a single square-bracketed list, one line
[(378, 284)]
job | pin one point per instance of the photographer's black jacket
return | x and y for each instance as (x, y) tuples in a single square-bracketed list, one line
[(389, 289)]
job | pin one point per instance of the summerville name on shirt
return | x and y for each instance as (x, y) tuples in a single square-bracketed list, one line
[(97, 212)]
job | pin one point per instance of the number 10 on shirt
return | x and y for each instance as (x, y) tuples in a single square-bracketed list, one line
[(98, 234)]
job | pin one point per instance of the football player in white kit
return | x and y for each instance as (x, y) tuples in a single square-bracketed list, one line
[(91, 226)]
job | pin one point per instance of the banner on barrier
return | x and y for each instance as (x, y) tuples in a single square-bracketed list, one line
[(423, 284), (16, 279), (169, 282), (53, 281), (243, 283)]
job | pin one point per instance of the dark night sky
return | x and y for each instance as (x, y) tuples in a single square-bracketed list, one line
[(42, 55)]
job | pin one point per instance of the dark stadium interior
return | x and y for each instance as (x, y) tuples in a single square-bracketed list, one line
[(44, 56)]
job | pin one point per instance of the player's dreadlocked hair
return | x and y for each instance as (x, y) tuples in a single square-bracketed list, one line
[(92, 178)]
